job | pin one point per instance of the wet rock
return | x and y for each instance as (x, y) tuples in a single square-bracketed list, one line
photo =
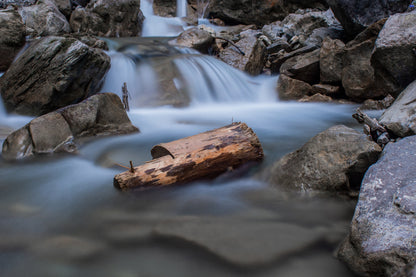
[(400, 118), (164, 8), (292, 89), (109, 18), (12, 36), (381, 239), (330, 62), (254, 57), (319, 35), (317, 97), (52, 73), (327, 90), (276, 60), (394, 57), (358, 74), (64, 6), (356, 15), (100, 115), (382, 104), (196, 38), (66, 248), (257, 12), (304, 67), (44, 19), (334, 160)]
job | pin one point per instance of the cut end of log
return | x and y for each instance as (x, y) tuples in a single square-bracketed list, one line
[(201, 156)]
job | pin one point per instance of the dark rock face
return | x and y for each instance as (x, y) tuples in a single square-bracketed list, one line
[(330, 62), (304, 67), (52, 73), (257, 12), (292, 89), (400, 118), (109, 18), (334, 160), (394, 57), (254, 56), (381, 240), (44, 19), (100, 115), (12, 36), (356, 15)]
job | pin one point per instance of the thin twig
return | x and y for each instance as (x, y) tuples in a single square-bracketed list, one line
[(233, 44), (125, 97)]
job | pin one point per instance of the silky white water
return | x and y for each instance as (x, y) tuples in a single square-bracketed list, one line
[(61, 216)]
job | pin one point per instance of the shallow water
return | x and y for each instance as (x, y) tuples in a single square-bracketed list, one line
[(61, 216)]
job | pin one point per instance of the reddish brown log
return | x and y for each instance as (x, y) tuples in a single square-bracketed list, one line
[(202, 156)]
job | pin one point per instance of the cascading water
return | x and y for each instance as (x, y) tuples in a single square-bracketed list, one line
[(181, 7), (61, 216)]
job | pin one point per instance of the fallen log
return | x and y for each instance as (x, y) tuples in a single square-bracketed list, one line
[(373, 128), (202, 156)]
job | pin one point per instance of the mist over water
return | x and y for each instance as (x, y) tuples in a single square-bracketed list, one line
[(61, 216)]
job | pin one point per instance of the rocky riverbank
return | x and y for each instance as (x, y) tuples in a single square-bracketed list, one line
[(326, 51)]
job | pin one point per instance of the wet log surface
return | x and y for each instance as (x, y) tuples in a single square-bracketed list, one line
[(202, 156)]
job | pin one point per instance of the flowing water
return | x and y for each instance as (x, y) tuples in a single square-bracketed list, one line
[(61, 216)]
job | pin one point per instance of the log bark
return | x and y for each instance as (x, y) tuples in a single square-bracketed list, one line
[(202, 156), (373, 128)]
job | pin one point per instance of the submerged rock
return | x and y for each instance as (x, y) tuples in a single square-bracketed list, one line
[(100, 115), (394, 57), (52, 73), (356, 15), (44, 19), (334, 160), (400, 118), (382, 233), (12, 36), (109, 18)]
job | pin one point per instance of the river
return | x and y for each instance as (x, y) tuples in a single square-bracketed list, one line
[(61, 216)]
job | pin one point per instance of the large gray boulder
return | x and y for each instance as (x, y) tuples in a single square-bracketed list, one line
[(12, 36), (292, 89), (394, 57), (100, 115), (254, 57), (382, 233), (52, 73), (196, 38), (334, 160), (44, 19), (304, 67), (109, 18), (257, 12), (400, 118), (356, 15)]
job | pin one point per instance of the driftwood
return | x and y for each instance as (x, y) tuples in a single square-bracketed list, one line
[(373, 128), (202, 156), (125, 98)]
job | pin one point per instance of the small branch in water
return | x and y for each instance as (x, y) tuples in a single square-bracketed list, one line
[(125, 97), (131, 167), (373, 128), (233, 44)]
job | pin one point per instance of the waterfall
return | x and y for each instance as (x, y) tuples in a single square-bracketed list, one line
[(157, 26), (202, 6), (181, 6)]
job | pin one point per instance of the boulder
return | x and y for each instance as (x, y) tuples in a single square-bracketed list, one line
[(52, 73), (319, 98), (164, 8), (196, 38), (109, 18), (334, 160), (254, 49), (382, 234), (318, 35), (257, 12), (44, 19), (330, 61), (394, 57), (12, 36), (328, 90), (400, 118), (276, 60), (356, 15), (100, 115), (64, 6), (382, 104), (304, 67), (358, 74), (292, 89)]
